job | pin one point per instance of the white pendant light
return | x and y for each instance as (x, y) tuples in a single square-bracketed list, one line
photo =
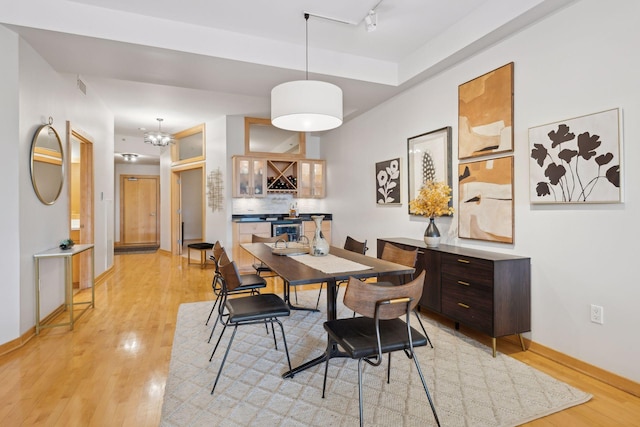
[(306, 105)]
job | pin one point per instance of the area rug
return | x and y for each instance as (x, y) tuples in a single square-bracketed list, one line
[(469, 387)]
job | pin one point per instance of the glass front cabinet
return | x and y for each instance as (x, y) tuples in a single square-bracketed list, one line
[(311, 179), (250, 178)]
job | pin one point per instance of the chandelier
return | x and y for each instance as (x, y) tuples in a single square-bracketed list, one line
[(306, 105), (158, 138)]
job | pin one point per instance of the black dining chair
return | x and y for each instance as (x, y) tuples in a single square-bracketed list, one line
[(247, 310), (379, 329), (352, 245), (249, 283)]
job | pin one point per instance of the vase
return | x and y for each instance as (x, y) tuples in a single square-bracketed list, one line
[(319, 245), (432, 234)]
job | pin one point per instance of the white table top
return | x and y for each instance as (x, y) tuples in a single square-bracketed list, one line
[(57, 252)]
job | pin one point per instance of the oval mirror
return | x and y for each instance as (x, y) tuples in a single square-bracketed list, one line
[(47, 165)]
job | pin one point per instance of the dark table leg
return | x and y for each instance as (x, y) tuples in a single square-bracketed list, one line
[(332, 314)]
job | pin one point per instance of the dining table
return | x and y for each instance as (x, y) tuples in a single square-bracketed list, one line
[(295, 273)]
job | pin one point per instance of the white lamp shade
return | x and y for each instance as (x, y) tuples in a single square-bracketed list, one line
[(306, 106)]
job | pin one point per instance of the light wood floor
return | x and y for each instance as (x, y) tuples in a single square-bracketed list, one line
[(111, 370)]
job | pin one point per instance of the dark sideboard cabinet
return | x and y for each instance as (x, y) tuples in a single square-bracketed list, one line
[(486, 291)]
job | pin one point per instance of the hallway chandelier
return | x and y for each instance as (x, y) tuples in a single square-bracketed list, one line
[(158, 138), (306, 105), (129, 157)]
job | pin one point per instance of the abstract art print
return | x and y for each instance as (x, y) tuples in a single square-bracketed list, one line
[(429, 156), (485, 208), (388, 182), (485, 114), (576, 160)]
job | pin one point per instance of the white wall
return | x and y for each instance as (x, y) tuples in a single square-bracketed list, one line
[(10, 254), (43, 93), (582, 60)]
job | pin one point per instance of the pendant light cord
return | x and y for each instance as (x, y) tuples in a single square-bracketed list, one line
[(306, 31)]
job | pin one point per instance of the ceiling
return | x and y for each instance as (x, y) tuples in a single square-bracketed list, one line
[(192, 61)]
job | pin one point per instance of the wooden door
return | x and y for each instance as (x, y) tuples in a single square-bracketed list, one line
[(139, 210)]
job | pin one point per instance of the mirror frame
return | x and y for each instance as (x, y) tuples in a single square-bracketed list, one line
[(48, 158), (248, 121)]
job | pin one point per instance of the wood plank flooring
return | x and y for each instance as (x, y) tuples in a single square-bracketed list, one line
[(111, 369)]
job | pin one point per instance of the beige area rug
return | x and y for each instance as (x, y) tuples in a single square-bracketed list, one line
[(469, 387)]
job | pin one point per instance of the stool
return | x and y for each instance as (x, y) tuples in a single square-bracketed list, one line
[(203, 248)]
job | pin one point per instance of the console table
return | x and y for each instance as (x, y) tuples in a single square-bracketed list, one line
[(486, 291), (67, 256)]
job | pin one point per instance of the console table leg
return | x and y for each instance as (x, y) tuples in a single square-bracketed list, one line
[(522, 342), (493, 344)]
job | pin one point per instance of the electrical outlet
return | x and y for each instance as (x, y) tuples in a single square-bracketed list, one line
[(597, 314)]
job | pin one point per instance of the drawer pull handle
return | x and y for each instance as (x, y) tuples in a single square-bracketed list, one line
[(464, 261), (460, 282), (463, 305)]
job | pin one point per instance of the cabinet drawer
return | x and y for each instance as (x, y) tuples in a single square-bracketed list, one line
[(468, 305), (468, 269), (255, 228), (470, 281)]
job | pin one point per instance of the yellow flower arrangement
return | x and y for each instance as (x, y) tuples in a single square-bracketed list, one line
[(433, 200)]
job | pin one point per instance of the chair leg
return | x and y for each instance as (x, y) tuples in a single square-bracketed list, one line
[(422, 326), (218, 342), (273, 333), (226, 353), (389, 369), (426, 390), (319, 293), (360, 390), (326, 366), (284, 339), (212, 309)]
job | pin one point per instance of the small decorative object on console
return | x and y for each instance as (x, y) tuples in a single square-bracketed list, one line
[(67, 244)]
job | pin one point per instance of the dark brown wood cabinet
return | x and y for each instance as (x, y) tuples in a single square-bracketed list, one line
[(486, 291)]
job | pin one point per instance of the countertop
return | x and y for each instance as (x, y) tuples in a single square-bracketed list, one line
[(277, 217)]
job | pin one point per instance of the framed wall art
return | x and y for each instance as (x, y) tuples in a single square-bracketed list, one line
[(388, 182), (485, 114), (429, 157), (485, 200), (576, 160)]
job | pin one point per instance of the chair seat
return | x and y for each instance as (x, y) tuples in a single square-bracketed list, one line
[(251, 281), (357, 335), (261, 268), (255, 308), (200, 246)]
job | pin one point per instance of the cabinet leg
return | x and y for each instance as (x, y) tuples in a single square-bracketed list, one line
[(493, 344), (522, 342), (457, 326)]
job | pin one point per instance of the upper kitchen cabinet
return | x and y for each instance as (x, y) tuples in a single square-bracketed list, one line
[(311, 177), (249, 177)]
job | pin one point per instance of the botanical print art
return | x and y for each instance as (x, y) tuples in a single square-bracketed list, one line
[(485, 208), (576, 160), (388, 182), (485, 114)]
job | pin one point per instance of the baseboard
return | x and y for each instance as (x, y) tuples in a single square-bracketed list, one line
[(599, 374), (164, 252), (31, 332)]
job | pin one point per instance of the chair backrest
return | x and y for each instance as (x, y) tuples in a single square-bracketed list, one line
[(230, 275), (362, 297), (395, 254), (259, 239), (353, 245), (217, 249)]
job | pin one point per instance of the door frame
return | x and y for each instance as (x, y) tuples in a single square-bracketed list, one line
[(123, 178), (87, 203), (176, 171)]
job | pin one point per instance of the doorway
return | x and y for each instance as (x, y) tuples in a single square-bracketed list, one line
[(187, 206), (81, 201)]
